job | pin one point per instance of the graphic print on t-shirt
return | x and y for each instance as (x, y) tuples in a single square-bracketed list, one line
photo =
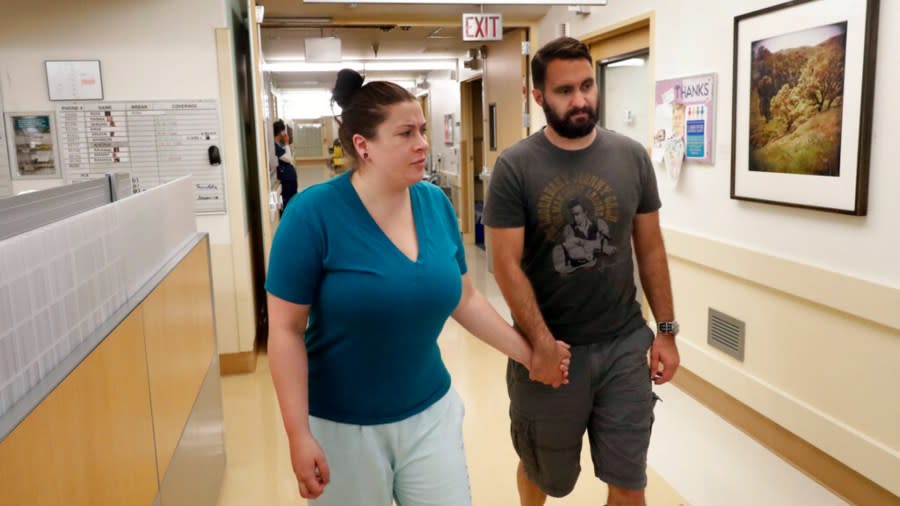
[(578, 213)]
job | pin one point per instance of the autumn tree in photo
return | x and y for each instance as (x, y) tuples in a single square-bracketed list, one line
[(795, 101)]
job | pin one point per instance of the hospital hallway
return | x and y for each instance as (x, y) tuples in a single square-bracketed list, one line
[(696, 458)]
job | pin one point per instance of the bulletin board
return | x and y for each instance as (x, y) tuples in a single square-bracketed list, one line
[(684, 118)]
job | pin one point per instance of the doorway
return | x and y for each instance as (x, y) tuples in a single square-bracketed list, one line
[(475, 181), (623, 56), (465, 195)]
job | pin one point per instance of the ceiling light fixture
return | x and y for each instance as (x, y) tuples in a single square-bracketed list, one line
[(360, 65), (469, 2), (298, 21), (630, 62)]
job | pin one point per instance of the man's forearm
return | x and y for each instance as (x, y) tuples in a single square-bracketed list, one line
[(654, 270), (519, 295)]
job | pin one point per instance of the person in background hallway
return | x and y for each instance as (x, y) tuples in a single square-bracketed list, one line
[(289, 140), (355, 308), (575, 172), (286, 173)]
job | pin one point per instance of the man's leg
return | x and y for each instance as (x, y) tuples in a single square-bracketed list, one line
[(622, 420), (529, 493), (619, 496), (547, 426)]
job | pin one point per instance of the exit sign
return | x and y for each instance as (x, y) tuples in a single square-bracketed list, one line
[(482, 26)]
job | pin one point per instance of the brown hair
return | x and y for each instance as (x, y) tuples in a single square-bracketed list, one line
[(563, 48), (363, 107)]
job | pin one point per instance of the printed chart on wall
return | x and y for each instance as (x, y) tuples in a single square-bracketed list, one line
[(683, 122), (155, 142)]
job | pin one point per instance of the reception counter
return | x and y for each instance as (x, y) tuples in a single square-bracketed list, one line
[(132, 415)]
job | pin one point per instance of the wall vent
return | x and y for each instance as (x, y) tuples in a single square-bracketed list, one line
[(726, 333), (563, 30)]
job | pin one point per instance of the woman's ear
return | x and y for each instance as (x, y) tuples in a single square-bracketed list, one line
[(361, 145)]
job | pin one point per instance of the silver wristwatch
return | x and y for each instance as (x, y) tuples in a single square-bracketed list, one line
[(668, 327)]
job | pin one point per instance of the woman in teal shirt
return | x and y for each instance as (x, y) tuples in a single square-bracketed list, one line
[(371, 264)]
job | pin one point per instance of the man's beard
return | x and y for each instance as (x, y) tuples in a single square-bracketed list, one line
[(565, 127)]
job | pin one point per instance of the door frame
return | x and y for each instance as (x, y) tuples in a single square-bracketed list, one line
[(467, 159)]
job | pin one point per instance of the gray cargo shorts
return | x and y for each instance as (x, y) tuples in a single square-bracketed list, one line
[(609, 395)]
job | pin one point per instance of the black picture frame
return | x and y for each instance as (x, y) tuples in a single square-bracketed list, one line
[(802, 99)]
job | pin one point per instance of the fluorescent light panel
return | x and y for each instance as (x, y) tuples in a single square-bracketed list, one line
[(375, 65), (463, 2), (630, 62)]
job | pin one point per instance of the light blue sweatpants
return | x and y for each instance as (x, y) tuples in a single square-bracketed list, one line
[(418, 461)]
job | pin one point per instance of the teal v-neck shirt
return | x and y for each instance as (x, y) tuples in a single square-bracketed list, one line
[(375, 314)]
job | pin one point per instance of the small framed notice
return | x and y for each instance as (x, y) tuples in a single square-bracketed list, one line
[(74, 80), (31, 142)]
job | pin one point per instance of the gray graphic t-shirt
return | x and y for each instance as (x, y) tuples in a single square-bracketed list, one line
[(577, 208)]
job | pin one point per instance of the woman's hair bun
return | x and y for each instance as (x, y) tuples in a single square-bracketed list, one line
[(348, 82)]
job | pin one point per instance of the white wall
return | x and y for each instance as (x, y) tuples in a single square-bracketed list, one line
[(819, 291)]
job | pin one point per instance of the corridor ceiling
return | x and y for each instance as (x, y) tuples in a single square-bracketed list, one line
[(394, 31)]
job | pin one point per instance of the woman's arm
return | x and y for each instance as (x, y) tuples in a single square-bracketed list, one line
[(288, 365), (476, 314)]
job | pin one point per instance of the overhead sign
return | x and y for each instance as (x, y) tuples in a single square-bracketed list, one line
[(482, 26)]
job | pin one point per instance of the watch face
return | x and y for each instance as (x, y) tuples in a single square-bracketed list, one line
[(668, 327)]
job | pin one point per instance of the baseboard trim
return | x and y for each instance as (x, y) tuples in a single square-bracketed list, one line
[(237, 363), (840, 479)]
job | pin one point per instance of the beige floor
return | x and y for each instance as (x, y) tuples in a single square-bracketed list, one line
[(259, 470)]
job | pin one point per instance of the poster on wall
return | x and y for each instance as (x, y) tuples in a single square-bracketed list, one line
[(31, 145), (684, 122)]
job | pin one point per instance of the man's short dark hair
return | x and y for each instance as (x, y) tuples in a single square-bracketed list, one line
[(563, 48), (278, 127)]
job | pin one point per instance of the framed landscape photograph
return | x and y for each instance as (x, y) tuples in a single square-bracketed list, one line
[(802, 104)]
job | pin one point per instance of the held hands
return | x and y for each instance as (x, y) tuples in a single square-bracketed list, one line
[(550, 364), (663, 352), (310, 465)]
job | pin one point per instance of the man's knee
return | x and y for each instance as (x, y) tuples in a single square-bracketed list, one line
[(559, 482)]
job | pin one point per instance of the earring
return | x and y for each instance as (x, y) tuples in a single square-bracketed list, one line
[(366, 156)]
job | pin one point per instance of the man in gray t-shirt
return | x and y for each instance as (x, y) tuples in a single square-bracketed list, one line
[(562, 210)]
